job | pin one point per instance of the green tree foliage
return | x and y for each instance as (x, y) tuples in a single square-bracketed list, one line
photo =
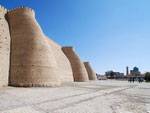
[(147, 76)]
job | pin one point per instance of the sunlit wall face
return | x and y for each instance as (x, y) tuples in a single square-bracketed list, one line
[(111, 34)]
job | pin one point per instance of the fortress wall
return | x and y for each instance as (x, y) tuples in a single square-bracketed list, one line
[(4, 48), (65, 70), (78, 68), (91, 73), (32, 59)]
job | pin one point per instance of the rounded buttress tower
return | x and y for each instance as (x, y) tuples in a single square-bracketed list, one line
[(4, 48), (78, 68), (32, 60), (91, 73), (65, 70)]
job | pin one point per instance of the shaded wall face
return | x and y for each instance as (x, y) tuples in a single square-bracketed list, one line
[(4, 50), (32, 61), (78, 68), (90, 71), (64, 66)]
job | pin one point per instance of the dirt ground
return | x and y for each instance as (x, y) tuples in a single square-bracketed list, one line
[(107, 96)]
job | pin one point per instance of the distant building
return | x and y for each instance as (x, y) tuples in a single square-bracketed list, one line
[(135, 72), (114, 75), (118, 75), (101, 77)]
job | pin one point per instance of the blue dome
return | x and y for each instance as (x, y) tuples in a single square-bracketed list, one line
[(135, 69)]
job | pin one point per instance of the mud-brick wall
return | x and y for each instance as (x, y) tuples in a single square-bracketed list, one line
[(4, 48), (91, 72), (32, 59), (78, 68), (64, 66)]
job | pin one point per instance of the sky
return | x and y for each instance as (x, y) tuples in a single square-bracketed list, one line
[(110, 34)]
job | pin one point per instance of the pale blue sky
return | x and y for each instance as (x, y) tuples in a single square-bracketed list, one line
[(111, 34)]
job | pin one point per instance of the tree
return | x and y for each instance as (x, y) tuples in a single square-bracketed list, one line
[(147, 76)]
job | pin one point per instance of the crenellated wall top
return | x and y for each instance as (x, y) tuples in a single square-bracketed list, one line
[(21, 10), (3, 10)]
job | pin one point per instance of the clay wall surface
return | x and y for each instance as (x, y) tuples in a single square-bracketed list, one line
[(32, 59), (78, 68), (65, 70), (4, 48), (91, 73)]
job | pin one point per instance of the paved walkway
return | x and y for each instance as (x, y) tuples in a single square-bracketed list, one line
[(88, 97)]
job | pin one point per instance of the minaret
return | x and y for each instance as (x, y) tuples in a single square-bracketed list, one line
[(127, 71)]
